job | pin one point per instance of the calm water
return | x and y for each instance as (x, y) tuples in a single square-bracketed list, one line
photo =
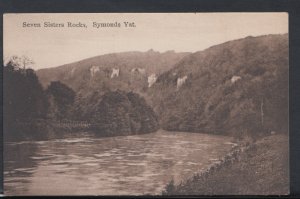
[(129, 165)]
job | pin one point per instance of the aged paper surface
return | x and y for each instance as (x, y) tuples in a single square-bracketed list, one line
[(146, 104)]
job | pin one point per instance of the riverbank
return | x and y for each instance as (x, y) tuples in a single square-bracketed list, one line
[(258, 169), (41, 129)]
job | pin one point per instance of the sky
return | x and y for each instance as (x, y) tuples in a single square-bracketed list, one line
[(182, 32)]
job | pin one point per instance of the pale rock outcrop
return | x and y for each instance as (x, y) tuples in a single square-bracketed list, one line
[(235, 78), (72, 71), (152, 79), (181, 81), (115, 72), (94, 70)]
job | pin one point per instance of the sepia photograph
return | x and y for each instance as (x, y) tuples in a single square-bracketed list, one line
[(146, 104)]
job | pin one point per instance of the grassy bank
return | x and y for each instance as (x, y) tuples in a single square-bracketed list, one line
[(260, 169)]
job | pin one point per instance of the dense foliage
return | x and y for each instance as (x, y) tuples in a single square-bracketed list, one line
[(121, 113), (210, 101), (30, 112), (24, 97), (61, 99), (27, 106)]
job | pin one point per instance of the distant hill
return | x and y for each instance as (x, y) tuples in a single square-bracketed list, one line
[(237, 87), (92, 78), (126, 71)]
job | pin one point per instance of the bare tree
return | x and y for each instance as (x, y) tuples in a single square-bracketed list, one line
[(25, 61), (20, 62)]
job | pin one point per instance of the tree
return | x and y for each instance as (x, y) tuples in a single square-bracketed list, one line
[(61, 98), (26, 61), (18, 62), (24, 97), (121, 113), (24, 100)]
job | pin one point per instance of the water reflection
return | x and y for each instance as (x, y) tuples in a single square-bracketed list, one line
[(130, 165), (18, 166)]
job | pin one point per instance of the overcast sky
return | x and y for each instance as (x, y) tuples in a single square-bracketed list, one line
[(185, 32)]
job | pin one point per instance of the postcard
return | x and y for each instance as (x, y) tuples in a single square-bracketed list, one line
[(146, 104)]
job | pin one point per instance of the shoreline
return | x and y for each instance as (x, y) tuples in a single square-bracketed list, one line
[(229, 158), (255, 167), (52, 129)]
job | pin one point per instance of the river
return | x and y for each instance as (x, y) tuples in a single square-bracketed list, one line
[(124, 165)]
